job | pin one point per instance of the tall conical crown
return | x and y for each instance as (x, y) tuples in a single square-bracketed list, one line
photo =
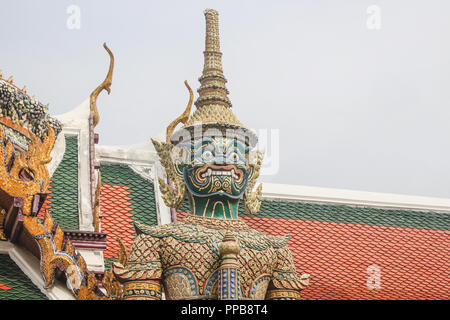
[(213, 105), (212, 89)]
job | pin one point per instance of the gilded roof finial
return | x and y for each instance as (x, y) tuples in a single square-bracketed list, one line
[(212, 89), (105, 85), (183, 117)]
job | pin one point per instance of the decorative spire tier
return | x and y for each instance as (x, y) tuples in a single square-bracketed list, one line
[(212, 89), (213, 105)]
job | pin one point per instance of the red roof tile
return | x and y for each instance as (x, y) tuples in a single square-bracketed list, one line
[(116, 218), (343, 258)]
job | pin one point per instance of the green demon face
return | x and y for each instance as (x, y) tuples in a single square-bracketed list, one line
[(214, 166)]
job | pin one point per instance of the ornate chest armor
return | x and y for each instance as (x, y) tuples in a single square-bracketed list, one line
[(184, 259)]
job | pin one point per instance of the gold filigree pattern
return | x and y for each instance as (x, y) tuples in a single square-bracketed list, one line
[(173, 196), (50, 237), (28, 174), (259, 263), (283, 295), (199, 232), (192, 246), (252, 199), (177, 286), (2, 219), (96, 209), (110, 283), (213, 114), (142, 290)]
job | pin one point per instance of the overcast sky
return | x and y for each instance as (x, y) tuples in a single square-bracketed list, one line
[(358, 90)]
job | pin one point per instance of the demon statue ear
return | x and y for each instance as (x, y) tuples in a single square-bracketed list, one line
[(171, 159), (173, 194), (252, 199)]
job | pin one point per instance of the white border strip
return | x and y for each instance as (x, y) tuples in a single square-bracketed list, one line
[(135, 156), (272, 191), (76, 123)]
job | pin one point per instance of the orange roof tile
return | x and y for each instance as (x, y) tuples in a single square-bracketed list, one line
[(343, 259), (116, 219)]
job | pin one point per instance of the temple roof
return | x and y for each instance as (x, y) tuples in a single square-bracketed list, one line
[(24, 111), (339, 244), (126, 198), (14, 284)]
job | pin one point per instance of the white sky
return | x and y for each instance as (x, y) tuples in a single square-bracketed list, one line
[(355, 108)]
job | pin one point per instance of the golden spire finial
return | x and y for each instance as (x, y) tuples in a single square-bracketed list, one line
[(105, 85), (212, 90), (212, 41), (213, 106), (183, 117)]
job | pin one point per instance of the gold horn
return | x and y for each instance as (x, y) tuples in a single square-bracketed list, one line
[(105, 85), (183, 117)]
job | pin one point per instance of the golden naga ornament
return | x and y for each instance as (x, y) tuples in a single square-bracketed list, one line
[(112, 286), (28, 174), (54, 257)]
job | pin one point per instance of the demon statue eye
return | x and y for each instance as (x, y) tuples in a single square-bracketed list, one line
[(233, 157), (207, 156)]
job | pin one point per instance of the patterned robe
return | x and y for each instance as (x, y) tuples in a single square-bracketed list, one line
[(183, 259)]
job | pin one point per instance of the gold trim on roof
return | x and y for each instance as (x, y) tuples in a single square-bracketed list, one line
[(183, 117), (33, 161), (105, 85)]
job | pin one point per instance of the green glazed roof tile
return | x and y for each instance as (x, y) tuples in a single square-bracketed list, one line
[(108, 262), (141, 198), (347, 214), (64, 187), (14, 284), (352, 214), (142, 192)]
